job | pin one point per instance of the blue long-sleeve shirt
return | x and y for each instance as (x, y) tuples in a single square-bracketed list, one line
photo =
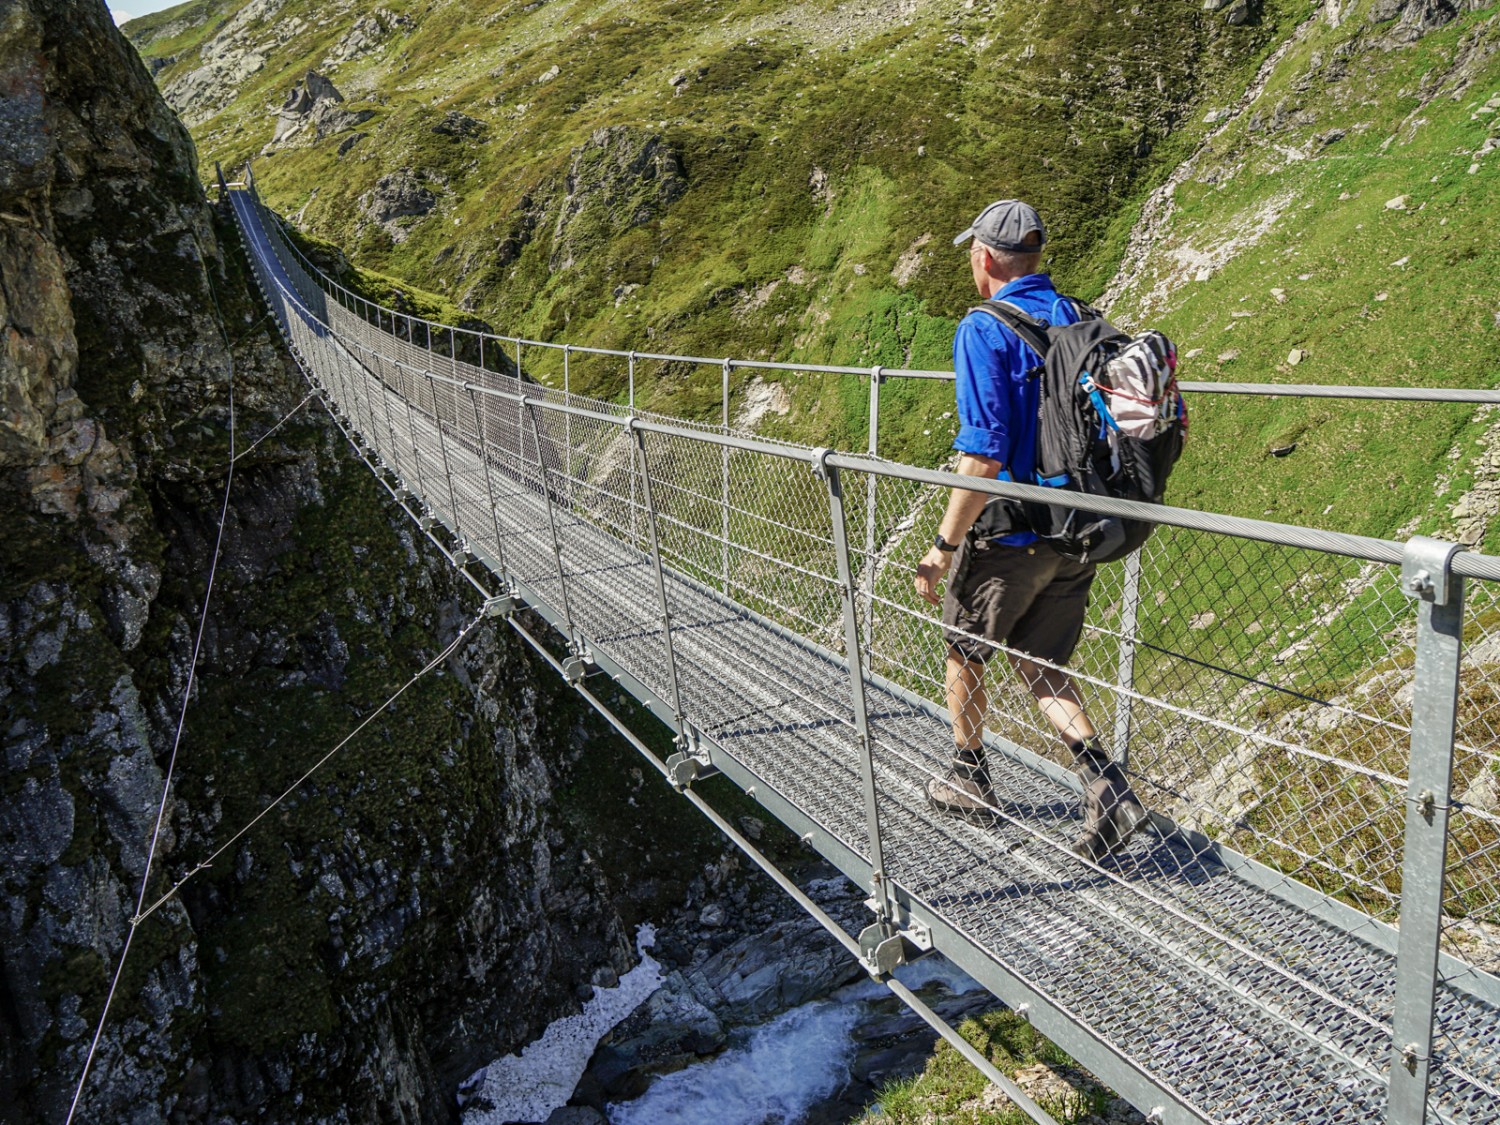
[(997, 403)]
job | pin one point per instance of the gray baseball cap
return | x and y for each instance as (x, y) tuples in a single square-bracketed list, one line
[(1004, 225)]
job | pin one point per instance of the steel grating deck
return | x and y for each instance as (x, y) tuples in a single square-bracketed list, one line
[(1186, 977)]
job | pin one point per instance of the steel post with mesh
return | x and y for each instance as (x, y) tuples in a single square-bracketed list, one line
[(853, 657), (529, 406), (1427, 575), (639, 440), (1130, 602)]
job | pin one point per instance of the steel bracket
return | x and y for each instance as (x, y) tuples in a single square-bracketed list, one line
[(915, 934), (426, 521), (1427, 568), (463, 556), (575, 668), (882, 948), (501, 605), (691, 761)]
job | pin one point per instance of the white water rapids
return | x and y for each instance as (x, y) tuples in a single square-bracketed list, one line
[(780, 1069), (774, 1071)]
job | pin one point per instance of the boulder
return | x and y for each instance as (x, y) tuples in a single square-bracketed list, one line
[(311, 112), (396, 196), (671, 1029)]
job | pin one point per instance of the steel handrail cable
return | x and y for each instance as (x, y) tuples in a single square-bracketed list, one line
[(1289, 535), (1378, 1025), (1471, 564), (187, 694), (285, 418), (1456, 395)]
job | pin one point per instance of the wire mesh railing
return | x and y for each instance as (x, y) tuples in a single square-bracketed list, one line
[(1277, 695)]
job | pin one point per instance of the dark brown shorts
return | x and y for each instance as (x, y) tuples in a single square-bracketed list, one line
[(1030, 598)]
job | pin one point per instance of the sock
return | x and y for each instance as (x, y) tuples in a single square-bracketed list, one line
[(1090, 748), (969, 758)]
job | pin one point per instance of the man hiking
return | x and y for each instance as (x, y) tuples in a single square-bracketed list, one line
[(1007, 586)]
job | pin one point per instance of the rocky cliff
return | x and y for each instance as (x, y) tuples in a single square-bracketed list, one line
[(424, 903)]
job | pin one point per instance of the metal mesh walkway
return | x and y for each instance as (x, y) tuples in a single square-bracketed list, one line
[(1203, 984)]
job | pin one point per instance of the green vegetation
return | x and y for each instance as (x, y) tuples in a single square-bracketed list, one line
[(799, 153), (952, 1091)]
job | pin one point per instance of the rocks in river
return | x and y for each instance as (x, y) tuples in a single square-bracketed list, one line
[(755, 976), (670, 1030), (769, 972), (577, 1115)]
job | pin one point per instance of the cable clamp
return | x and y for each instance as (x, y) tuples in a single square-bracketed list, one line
[(1427, 568), (1410, 1056), (1426, 804)]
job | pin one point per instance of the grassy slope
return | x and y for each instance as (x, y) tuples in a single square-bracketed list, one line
[(1372, 294), (1071, 105)]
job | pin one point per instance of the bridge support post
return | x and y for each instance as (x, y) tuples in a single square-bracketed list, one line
[(724, 494), (639, 439), (1130, 602), (568, 421), (635, 536), (876, 939), (877, 377), (1426, 574), (562, 583), (437, 421), (416, 449), (489, 485)]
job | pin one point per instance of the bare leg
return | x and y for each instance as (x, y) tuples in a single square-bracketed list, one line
[(967, 700), (1058, 699), (1111, 811), (965, 789)]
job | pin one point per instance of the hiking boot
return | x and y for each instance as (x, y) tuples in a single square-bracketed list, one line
[(1112, 813), (964, 791)]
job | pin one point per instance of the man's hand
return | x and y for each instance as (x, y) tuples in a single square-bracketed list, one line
[(930, 572)]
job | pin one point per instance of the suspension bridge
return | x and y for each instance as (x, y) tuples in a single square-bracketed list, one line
[(1309, 932)]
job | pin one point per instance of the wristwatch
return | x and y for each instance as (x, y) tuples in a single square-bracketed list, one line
[(943, 545)]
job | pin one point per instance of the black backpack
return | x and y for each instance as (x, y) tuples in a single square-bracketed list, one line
[(1111, 423)]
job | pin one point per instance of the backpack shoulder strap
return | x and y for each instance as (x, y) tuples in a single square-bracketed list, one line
[(1031, 330), (1083, 311)]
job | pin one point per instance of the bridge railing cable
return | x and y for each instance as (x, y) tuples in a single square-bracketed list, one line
[(1290, 702)]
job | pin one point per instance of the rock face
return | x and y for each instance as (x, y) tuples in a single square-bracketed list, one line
[(423, 904), (311, 112), (620, 179), (397, 196), (367, 34)]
